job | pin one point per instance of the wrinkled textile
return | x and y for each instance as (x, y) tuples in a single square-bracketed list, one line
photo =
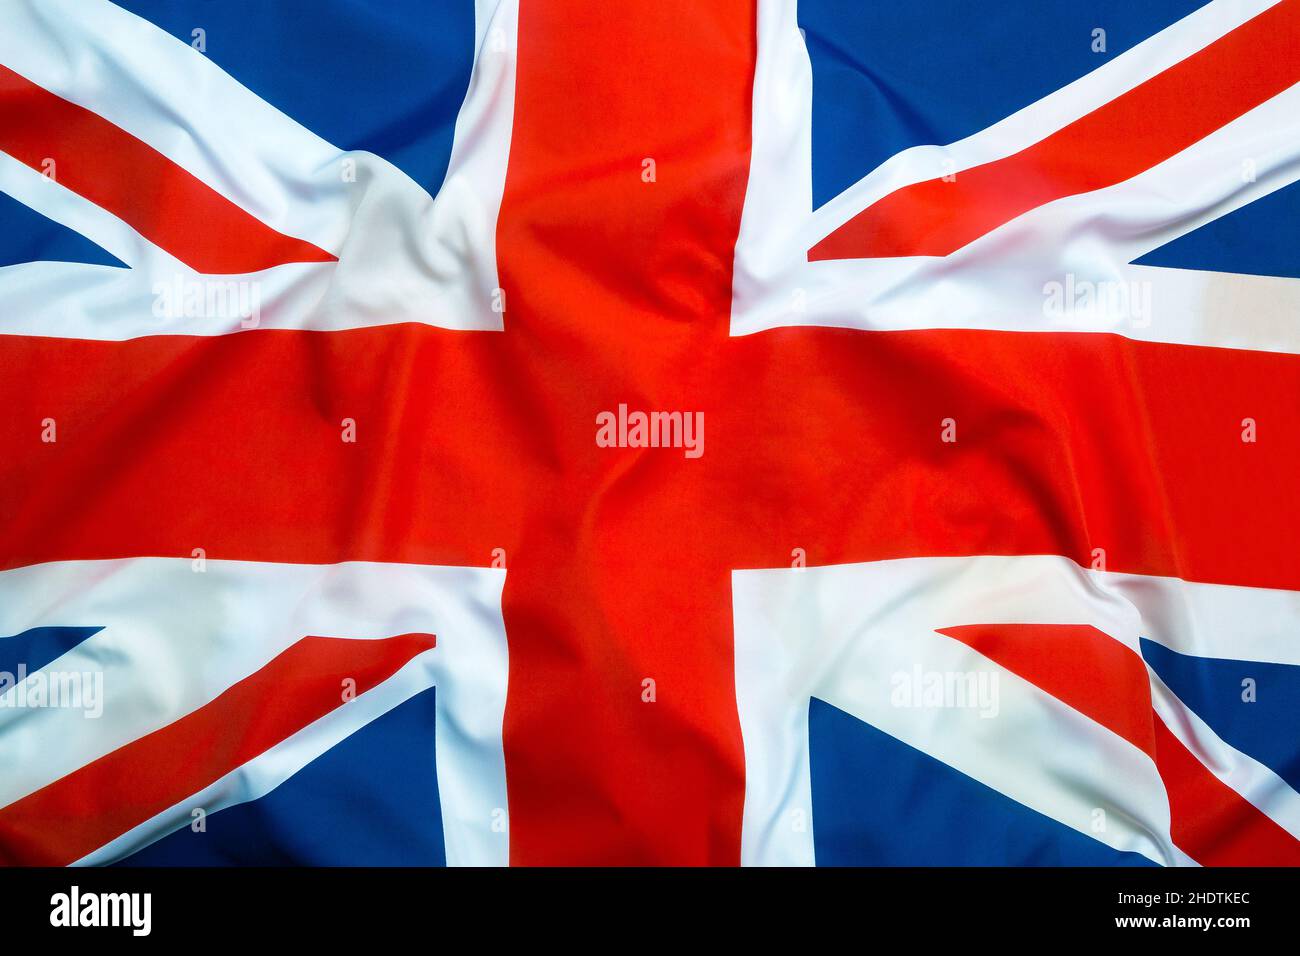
[(792, 432)]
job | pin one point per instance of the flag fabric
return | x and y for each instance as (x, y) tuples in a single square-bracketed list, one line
[(791, 432)]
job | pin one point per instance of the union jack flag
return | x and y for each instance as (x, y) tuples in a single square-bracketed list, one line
[(772, 432)]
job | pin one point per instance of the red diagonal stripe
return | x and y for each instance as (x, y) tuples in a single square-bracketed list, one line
[(139, 185), (1209, 820), (1106, 681), (1130, 134), (76, 814), (1078, 665)]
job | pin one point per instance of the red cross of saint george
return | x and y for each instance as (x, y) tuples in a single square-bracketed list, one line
[(619, 559)]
